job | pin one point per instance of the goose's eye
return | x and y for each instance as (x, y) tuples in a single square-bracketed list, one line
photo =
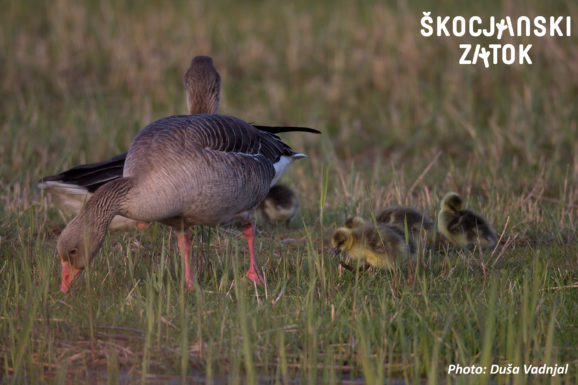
[(73, 252)]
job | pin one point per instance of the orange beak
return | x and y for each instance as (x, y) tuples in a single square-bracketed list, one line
[(68, 275)]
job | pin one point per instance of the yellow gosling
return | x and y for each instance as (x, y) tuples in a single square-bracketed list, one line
[(280, 205), (406, 217), (379, 246), (464, 228), (355, 222)]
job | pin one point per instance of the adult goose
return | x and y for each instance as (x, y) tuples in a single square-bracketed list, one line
[(71, 188), (183, 170)]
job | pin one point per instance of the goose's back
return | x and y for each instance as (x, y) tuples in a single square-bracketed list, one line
[(205, 168)]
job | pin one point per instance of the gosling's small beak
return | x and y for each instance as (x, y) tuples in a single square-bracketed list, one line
[(68, 275), (336, 252)]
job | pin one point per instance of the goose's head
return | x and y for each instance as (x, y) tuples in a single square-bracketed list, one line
[(77, 245), (451, 202), (342, 240), (353, 222), (202, 85)]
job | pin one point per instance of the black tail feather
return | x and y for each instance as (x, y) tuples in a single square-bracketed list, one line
[(91, 176), (280, 129)]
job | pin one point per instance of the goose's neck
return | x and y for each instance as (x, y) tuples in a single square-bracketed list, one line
[(88, 229), (202, 104), (105, 203)]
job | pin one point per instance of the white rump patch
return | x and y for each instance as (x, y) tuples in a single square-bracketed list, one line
[(59, 187), (282, 164)]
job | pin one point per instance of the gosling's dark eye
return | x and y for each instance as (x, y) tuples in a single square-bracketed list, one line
[(73, 252), (340, 243)]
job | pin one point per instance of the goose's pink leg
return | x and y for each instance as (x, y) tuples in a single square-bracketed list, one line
[(184, 242), (253, 274)]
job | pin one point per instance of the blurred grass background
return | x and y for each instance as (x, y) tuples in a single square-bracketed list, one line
[(402, 123)]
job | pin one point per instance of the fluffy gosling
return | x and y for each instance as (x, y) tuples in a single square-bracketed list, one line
[(280, 205), (403, 217), (355, 222), (464, 228), (378, 246)]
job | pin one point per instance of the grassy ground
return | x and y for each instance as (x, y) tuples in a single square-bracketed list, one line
[(403, 123)]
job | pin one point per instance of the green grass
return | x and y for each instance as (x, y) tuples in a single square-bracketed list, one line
[(402, 123)]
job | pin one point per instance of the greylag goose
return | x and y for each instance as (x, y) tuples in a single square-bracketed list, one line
[(280, 205), (71, 188), (379, 246), (464, 228), (181, 171)]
